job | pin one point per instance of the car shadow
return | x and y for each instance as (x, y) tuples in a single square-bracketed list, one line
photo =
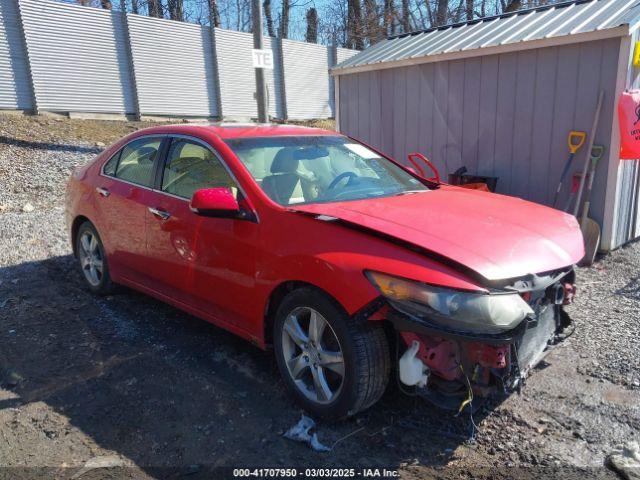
[(174, 394)]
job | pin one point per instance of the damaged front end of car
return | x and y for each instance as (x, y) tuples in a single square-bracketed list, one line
[(454, 346)]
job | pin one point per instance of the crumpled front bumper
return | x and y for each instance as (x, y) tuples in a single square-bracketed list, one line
[(486, 363)]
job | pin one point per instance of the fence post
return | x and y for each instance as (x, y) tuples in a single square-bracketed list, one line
[(216, 69), (283, 87), (333, 60), (132, 71), (25, 47)]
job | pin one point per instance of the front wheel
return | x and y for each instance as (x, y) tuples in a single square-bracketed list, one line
[(335, 367)]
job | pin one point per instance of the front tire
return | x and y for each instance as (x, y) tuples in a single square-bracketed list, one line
[(334, 366), (93, 260)]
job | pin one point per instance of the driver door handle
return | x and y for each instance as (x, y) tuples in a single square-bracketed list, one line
[(103, 191), (160, 213)]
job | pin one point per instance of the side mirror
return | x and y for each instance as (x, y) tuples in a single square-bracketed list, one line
[(215, 202)]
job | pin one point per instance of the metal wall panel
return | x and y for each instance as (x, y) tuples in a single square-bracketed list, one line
[(502, 115), (306, 78), (337, 55), (79, 59), (237, 75), (15, 89), (627, 204), (174, 68)]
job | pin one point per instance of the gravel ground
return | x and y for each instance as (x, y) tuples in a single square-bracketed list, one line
[(130, 383)]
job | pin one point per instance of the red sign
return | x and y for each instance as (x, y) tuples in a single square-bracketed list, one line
[(629, 118)]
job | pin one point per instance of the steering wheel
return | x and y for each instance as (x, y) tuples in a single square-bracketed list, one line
[(341, 177)]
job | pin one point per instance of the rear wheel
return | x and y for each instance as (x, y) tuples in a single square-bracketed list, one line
[(92, 260), (333, 366)]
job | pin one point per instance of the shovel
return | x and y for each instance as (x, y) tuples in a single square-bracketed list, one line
[(590, 228), (575, 141)]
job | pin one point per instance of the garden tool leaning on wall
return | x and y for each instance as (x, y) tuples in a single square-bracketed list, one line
[(590, 228), (575, 140)]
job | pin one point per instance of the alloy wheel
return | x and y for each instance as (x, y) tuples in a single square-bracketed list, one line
[(91, 260), (313, 355)]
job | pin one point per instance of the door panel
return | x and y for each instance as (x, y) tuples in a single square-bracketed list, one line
[(123, 194), (124, 215), (207, 263)]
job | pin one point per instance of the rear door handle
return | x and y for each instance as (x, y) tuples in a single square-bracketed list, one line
[(103, 191), (160, 213)]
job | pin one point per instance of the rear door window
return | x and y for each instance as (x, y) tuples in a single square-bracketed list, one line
[(135, 164)]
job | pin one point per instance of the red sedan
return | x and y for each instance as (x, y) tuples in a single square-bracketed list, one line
[(347, 263)]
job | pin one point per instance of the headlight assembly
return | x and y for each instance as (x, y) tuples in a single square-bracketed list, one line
[(453, 309)]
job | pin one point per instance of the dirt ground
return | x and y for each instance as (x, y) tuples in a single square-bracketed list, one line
[(146, 391)]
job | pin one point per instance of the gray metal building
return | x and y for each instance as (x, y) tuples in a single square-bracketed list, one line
[(499, 95)]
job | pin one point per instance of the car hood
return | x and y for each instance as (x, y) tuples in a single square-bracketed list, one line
[(497, 236)]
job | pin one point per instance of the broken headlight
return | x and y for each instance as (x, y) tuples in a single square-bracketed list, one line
[(453, 309)]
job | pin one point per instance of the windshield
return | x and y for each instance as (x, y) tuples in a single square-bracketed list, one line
[(296, 170)]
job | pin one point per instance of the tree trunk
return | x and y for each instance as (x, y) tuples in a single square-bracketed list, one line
[(175, 10), (441, 12), (155, 8), (371, 21), (312, 26), (214, 14), (267, 13), (354, 25), (513, 5), (284, 20), (469, 10), (134, 7), (389, 16), (406, 17)]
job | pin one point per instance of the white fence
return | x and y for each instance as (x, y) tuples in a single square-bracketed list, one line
[(68, 58)]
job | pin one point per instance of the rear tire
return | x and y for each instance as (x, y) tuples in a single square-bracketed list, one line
[(93, 260), (317, 383)]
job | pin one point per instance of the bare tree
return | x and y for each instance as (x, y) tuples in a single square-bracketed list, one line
[(134, 6), (155, 8), (512, 6), (469, 10), (389, 17), (355, 38), (267, 13), (284, 19), (106, 4), (405, 19), (214, 13), (176, 10), (373, 30), (312, 26), (442, 11)]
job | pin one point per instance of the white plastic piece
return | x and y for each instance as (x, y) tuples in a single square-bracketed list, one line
[(412, 370)]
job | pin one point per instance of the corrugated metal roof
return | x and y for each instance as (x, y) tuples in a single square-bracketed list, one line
[(550, 21)]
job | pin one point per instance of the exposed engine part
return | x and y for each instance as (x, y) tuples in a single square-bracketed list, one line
[(412, 371), (569, 293), (461, 366), (556, 294), (439, 354)]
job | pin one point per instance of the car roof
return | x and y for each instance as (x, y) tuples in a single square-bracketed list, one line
[(237, 130)]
